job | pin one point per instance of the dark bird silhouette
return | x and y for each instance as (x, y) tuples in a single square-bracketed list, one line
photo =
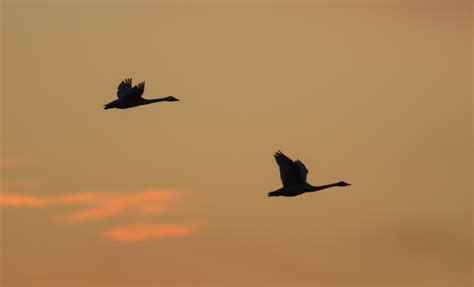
[(293, 176), (129, 97)]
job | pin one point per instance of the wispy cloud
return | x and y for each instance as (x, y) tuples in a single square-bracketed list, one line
[(138, 232), (78, 198), (97, 206), (7, 199), (105, 205)]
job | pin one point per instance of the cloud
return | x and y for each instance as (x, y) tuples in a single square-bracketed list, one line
[(139, 232), (97, 206), (7, 199), (100, 205), (105, 205), (77, 198)]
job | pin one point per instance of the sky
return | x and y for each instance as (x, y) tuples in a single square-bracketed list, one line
[(375, 93)]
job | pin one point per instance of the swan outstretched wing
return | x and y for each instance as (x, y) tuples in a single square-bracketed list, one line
[(289, 171), (137, 91), (124, 87), (302, 168)]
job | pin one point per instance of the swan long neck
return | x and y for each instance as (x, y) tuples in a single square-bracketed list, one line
[(149, 101), (316, 188)]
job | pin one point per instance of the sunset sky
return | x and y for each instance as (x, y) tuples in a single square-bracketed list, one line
[(375, 93)]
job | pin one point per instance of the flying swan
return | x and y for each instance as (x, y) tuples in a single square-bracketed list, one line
[(129, 97), (293, 176)]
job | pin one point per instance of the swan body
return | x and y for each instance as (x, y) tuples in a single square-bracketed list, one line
[(129, 97), (293, 175)]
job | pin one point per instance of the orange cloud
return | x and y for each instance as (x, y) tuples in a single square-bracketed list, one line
[(105, 205), (91, 214), (21, 200), (84, 197), (101, 204), (95, 206), (138, 232)]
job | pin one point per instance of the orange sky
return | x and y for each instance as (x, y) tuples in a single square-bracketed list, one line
[(375, 93)]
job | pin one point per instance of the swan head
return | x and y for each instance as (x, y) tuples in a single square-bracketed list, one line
[(343, 183), (171, 99)]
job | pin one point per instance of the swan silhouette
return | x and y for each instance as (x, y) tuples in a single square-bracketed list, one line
[(129, 97), (293, 176)]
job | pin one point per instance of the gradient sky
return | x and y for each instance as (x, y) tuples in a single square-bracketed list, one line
[(376, 93)]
